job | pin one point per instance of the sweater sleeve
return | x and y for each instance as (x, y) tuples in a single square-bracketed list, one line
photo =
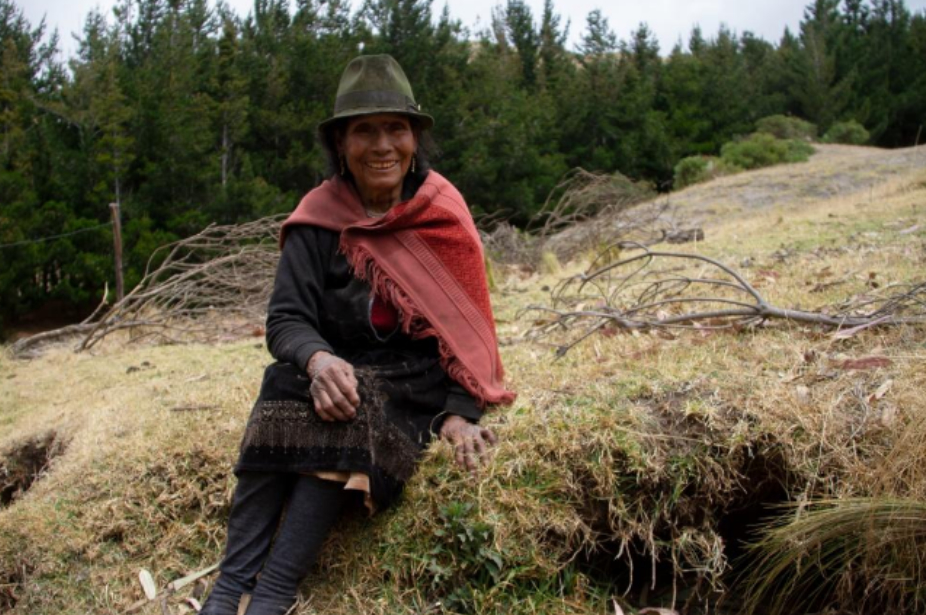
[(461, 403), (293, 313)]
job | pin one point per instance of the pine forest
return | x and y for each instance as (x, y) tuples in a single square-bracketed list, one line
[(187, 114)]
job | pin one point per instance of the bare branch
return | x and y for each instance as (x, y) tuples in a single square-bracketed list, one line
[(625, 295)]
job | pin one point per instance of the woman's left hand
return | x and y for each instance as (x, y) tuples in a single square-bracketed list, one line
[(470, 441)]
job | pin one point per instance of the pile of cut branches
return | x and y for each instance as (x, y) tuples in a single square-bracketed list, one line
[(583, 212), (594, 210), (211, 286), (582, 195)]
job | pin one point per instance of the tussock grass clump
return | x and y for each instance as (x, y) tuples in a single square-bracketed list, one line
[(864, 552), (580, 490)]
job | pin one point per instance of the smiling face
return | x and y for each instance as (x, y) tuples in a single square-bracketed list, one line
[(378, 151)]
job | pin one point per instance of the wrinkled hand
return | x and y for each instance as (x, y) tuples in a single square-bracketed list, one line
[(333, 388), (470, 442)]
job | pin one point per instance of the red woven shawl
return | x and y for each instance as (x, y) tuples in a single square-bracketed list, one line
[(425, 257)]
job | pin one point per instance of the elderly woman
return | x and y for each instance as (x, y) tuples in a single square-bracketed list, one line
[(383, 333)]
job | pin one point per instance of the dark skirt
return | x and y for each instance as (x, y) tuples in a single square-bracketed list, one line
[(401, 409)]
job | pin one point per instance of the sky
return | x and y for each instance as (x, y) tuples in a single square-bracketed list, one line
[(670, 20)]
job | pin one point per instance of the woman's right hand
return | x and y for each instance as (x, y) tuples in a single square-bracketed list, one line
[(333, 388)]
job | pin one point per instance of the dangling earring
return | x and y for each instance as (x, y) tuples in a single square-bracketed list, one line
[(414, 161), (343, 170)]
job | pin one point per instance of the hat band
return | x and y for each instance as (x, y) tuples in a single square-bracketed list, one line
[(377, 99)]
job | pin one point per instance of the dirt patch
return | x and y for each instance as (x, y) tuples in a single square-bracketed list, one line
[(24, 463), (643, 578), (683, 517)]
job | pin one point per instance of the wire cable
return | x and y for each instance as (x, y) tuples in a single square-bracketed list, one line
[(40, 240)]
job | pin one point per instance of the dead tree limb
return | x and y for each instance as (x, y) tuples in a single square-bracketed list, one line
[(24, 347), (655, 289)]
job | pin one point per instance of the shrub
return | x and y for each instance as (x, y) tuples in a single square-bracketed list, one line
[(798, 151), (849, 133), (688, 171), (785, 127), (763, 150), (697, 169)]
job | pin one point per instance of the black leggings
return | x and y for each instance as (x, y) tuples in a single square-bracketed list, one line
[(311, 506)]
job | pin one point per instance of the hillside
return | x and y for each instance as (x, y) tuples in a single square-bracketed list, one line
[(629, 472), (833, 171)]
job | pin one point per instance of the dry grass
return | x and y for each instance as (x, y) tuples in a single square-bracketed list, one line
[(630, 468), (865, 551)]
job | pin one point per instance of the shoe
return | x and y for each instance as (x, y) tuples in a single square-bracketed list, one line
[(270, 606), (219, 604)]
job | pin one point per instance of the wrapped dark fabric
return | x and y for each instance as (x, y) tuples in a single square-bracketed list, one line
[(401, 409)]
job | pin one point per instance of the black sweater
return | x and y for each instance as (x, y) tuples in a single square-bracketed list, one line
[(317, 304)]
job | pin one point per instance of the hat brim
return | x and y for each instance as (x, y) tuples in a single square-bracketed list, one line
[(426, 121)]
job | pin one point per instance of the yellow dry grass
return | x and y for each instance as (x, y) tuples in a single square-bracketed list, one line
[(633, 452)]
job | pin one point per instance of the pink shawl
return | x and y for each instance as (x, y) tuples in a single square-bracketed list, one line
[(424, 257)]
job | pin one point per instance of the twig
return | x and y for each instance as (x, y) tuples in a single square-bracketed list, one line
[(103, 302), (171, 588), (193, 408)]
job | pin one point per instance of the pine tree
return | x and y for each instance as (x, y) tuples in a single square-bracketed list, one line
[(590, 133), (519, 30), (101, 113), (884, 74), (552, 54), (820, 91)]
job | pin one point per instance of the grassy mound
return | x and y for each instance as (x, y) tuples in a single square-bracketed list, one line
[(631, 470)]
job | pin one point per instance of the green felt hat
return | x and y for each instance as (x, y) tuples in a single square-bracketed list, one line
[(375, 84)]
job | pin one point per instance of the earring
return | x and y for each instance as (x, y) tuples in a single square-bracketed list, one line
[(414, 161), (343, 170)]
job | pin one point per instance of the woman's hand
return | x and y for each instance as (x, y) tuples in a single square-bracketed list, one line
[(333, 388), (470, 441)]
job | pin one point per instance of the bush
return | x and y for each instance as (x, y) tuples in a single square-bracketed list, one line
[(756, 151), (848, 133), (785, 127), (763, 150), (798, 151), (697, 169)]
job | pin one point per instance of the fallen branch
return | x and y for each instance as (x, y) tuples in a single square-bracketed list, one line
[(27, 345), (587, 210), (584, 195), (639, 293), (24, 346)]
